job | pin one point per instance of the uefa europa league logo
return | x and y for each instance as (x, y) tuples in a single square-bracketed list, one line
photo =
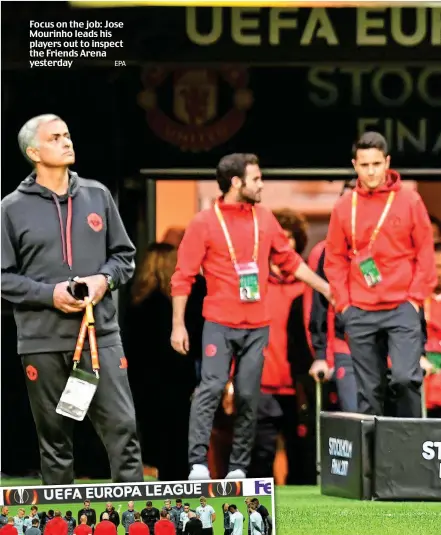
[(21, 496), (224, 488)]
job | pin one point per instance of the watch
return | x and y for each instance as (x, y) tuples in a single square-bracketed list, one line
[(109, 280)]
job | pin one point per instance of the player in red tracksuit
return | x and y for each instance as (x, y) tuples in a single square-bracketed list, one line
[(327, 335), (57, 526), (287, 355), (105, 527), (164, 526), (380, 265), (432, 313), (232, 242)]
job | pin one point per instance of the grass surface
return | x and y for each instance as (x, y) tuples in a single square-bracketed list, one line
[(304, 511)]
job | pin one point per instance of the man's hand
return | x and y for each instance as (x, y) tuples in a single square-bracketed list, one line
[(318, 366), (328, 294), (97, 286), (427, 365), (179, 339), (416, 306), (64, 301)]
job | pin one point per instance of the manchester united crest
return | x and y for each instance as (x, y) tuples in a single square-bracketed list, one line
[(195, 108)]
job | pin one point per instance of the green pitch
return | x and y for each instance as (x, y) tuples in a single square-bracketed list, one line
[(303, 511)]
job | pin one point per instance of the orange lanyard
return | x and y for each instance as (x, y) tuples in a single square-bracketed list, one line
[(427, 307), (88, 324), (379, 224), (228, 238)]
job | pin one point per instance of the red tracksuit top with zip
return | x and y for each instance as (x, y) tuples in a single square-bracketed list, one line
[(204, 245), (403, 250)]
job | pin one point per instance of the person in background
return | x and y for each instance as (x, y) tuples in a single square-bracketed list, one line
[(169, 509), (177, 510), (19, 521), (194, 526), (34, 515), (138, 527), (380, 265), (207, 516), (83, 528), (105, 527), (150, 515), (45, 519), (33, 530), (432, 314), (128, 516), (113, 514), (264, 513), (148, 324), (327, 335), (4, 516), (164, 526), (57, 526), (286, 356), (89, 513), (71, 522), (236, 520), (227, 519), (256, 521), (186, 515), (232, 242), (436, 228), (9, 528)]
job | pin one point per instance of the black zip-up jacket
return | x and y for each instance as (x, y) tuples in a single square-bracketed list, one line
[(48, 238), (90, 515), (113, 517)]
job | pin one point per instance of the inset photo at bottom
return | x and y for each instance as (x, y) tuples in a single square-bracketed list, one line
[(216, 507)]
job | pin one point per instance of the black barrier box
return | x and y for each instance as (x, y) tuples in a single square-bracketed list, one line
[(407, 459), (346, 454)]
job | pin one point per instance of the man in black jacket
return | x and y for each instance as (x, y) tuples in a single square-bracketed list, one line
[(89, 513), (57, 226), (113, 515), (150, 515)]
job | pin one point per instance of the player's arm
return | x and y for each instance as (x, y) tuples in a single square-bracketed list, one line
[(120, 263), (213, 515), (191, 254), (289, 262), (424, 277), (19, 289), (256, 525), (337, 262)]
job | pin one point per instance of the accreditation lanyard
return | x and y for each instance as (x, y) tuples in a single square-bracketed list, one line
[(379, 224), (228, 237), (87, 326)]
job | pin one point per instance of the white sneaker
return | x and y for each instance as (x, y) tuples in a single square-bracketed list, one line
[(199, 471), (236, 474)]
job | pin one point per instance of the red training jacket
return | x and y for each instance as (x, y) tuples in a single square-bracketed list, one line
[(165, 527), (82, 529), (9, 529), (57, 526), (313, 260), (432, 313), (204, 245), (138, 528), (105, 527), (276, 376), (403, 250)]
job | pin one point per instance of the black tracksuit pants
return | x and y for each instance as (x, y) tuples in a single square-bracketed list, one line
[(112, 414), (372, 336), (220, 344)]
